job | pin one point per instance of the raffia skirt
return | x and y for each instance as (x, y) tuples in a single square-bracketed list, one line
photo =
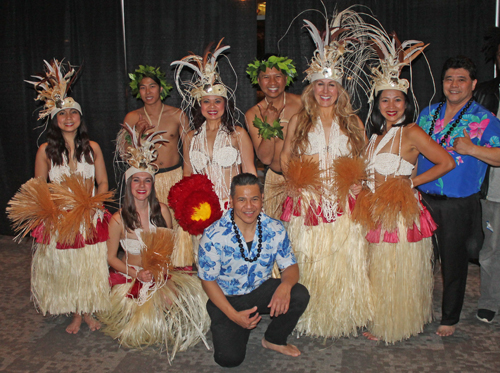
[(273, 200), (174, 317), (332, 259), (402, 282), (183, 252), (70, 280)]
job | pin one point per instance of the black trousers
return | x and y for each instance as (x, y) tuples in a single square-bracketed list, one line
[(230, 340), (456, 219)]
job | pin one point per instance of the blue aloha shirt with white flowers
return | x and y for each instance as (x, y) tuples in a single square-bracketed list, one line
[(219, 257), (468, 175)]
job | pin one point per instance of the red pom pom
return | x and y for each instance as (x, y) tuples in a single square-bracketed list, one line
[(195, 203)]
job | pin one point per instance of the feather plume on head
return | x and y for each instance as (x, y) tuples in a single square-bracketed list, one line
[(393, 56), (341, 51), (207, 81), (53, 86), (138, 150)]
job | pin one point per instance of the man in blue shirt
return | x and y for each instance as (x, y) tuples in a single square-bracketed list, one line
[(471, 134), (236, 257)]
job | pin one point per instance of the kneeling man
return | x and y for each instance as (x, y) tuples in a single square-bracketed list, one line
[(236, 257)]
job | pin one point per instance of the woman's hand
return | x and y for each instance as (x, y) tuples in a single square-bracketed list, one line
[(356, 189), (144, 276)]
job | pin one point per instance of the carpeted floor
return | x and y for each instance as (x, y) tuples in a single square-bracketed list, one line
[(30, 342)]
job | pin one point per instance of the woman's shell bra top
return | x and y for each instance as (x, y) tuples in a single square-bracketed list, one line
[(338, 142), (132, 246), (57, 172), (224, 157), (388, 163), (223, 153)]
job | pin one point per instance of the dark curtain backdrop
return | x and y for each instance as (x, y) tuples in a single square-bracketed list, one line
[(451, 27), (89, 33)]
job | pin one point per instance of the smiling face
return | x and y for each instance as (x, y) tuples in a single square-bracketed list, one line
[(458, 86), (272, 82), (149, 90), (392, 105), (141, 185), (247, 204), (212, 107), (68, 120), (325, 92)]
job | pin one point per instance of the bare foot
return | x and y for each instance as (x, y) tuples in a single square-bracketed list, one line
[(445, 330), (74, 327), (370, 336), (91, 322), (288, 349)]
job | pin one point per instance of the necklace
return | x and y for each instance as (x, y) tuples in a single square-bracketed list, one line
[(157, 124), (284, 103), (238, 237), (453, 125)]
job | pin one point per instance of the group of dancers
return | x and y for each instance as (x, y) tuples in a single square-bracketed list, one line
[(361, 236)]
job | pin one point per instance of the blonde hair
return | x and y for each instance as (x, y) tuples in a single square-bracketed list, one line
[(342, 111)]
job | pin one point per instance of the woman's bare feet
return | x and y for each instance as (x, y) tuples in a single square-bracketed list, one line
[(74, 327), (91, 322), (370, 336), (445, 330), (288, 349)]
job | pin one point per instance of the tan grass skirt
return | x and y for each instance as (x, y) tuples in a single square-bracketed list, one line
[(71, 280), (332, 259), (183, 252), (174, 317), (273, 199), (402, 282)]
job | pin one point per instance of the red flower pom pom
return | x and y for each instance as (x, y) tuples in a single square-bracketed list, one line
[(195, 203)]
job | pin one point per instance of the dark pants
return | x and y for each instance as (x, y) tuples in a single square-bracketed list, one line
[(456, 219), (230, 340)]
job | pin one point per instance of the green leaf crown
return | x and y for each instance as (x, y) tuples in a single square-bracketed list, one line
[(284, 64), (146, 71)]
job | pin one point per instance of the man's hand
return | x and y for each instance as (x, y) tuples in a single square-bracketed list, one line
[(463, 145), (142, 124), (271, 113), (280, 301), (244, 320)]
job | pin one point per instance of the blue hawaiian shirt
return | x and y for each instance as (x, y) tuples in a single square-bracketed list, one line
[(219, 257), (468, 175)]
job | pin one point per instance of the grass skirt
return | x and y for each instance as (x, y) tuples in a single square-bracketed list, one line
[(274, 198), (175, 316), (332, 259), (401, 280), (70, 280), (183, 252)]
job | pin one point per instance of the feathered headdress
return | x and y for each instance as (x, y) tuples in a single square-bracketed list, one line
[(333, 46), (53, 86), (341, 52), (206, 81), (393, 57), (139, 152)]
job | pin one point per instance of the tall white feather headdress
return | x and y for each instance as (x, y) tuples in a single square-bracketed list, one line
[(53, 86)]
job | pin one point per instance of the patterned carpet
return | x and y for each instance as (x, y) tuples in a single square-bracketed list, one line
[(30, 342)]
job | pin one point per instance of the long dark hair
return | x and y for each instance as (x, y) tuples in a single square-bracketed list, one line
[(56, 146), (226, 121), (130, 216), (376, 122)]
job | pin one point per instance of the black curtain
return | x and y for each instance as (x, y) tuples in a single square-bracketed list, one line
[(163, 31), (451, 27), (89, 34)]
